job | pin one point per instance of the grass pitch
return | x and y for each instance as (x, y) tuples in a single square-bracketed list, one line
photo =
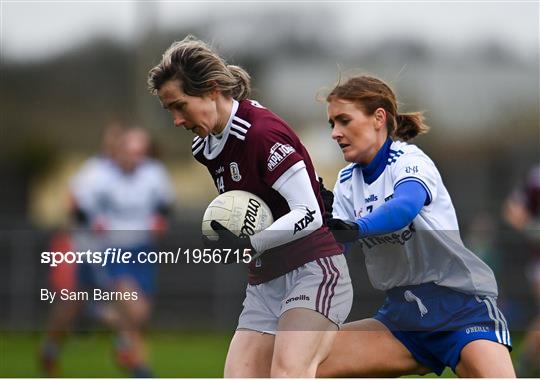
[(172, 354)]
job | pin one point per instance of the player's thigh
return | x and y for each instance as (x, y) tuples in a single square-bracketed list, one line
[(250, 354), (303, 340), (485, 358), (62, 316), (366, 348), (137, 311)]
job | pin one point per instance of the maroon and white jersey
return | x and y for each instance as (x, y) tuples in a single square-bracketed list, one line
[(257, 148), (529, 195), (532, 192)]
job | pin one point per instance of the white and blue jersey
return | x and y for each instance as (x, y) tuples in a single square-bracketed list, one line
[(428, 250), (122, 201), (125, 204), (440, 295)]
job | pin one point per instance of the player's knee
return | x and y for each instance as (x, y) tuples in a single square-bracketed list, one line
[(233, 371), (243, 369), (138, 313), (290, 367), (483, 358)]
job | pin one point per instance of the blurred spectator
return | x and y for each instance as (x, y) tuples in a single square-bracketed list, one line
[(132, 201), (123, 198), (522, 212), (77, 236)]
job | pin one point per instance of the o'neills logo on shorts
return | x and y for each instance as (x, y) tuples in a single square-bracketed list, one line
[(475, 329), (278, 153), (302, 297), (250, 219)]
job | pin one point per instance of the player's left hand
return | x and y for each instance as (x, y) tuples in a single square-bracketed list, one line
[(226, 239), (344, 232), (328, 200)]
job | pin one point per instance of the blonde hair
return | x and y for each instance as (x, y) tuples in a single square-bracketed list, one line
[(370, 93), (199, 70)]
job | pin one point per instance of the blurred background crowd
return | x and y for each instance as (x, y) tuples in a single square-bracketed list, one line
[(69, 70)]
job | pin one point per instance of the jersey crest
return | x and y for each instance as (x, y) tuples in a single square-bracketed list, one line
[(235, 172)]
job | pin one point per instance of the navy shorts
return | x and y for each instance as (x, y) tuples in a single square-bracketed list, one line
[(90, 276), (143, 274), (436, 322)]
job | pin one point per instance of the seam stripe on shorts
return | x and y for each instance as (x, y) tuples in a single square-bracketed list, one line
[(333, 285), (320, 286), (507, 329), (497, 315), (327, 287), (500, 317), (490, 313), (328, 284)]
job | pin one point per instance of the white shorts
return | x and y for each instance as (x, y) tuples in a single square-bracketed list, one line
[(322, 285)]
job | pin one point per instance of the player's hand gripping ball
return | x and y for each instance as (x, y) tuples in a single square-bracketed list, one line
[(232, 217)]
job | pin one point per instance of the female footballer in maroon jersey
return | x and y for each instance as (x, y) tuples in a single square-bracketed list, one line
[(299, 289)]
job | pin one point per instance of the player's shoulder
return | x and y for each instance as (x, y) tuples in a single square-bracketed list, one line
[(533, 177), (152, 166), (400, 150), (197, 146), (95, 164), (346, 174), (94, 169), (254, 119)]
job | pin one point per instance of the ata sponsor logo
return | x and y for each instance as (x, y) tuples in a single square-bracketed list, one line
[(302, 297), (474, 329), (278, 153), (235, 172), (305, 221), (372, 198)]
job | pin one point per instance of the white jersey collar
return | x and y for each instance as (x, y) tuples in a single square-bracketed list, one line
[(212, 149)]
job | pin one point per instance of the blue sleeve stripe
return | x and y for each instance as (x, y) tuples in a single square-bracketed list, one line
[(416, 179), (347, 170), (345, 178), (346, 174)]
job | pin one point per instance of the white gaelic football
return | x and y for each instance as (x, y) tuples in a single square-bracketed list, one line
[(241, 212)]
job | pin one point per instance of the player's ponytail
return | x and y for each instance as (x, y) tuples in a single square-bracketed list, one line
[(199, 70), (242, 90), (409, 125), (369, 94)]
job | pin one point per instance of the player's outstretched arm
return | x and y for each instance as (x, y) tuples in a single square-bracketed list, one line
[(396, 213)]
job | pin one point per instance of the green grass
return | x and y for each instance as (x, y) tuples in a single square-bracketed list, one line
[(173, 354), (90, 355)]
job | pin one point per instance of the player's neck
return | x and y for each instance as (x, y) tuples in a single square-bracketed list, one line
[(224, 108)]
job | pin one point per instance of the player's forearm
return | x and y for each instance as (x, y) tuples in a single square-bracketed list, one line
[(291, 226), (398, 212), (304, 217)]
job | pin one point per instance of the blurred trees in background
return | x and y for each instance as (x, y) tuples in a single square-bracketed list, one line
[(482, 104)]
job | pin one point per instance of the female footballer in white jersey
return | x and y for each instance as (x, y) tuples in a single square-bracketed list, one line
[(299, 289), (440, 310)]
